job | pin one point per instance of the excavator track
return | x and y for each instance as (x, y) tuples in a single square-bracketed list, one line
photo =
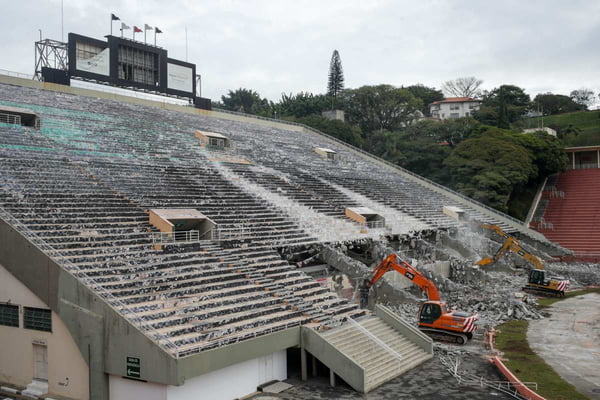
[(446, 336), (543, 291)]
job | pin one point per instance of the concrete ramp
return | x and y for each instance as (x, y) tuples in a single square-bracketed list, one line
[(371, 350)]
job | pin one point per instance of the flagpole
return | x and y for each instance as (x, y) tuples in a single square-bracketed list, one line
[(155, 37), (111, 20), (144, 34)]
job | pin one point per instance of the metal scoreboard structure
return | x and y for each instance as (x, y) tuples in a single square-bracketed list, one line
[(125, 63), (128, 63)]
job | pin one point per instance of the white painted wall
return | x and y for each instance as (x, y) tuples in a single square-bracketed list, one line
[(127, 389), (67, 369), (234, 381)]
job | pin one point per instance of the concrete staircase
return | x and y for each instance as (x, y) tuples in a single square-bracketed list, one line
[(371, 350), (36, 388)]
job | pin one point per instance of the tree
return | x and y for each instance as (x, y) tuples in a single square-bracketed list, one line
[(335, 82), (426, 94), (302, 104), (551, 104), (246, 101), (583, 96), (503, 106), (488, 167), (339, 129), (381, 107), (463, 87)]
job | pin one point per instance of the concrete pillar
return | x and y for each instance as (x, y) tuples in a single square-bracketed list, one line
[(331, 378), (573, 154), (598, 157), (314, 366), (303, 364)]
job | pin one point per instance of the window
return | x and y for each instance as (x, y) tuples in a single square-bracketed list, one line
[(138, 65), (9, 315), (472, 106), (454, 115), (38, 319), (216, 142), (454, 107), (331, 156), (85, 51)]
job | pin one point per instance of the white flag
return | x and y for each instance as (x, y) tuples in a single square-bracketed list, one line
[(124, 26), (147, 27)]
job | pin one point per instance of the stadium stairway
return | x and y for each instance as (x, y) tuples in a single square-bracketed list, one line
[(369, 351), (572, 212)]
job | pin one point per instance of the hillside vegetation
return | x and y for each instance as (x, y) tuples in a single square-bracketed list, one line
[(581, 128)]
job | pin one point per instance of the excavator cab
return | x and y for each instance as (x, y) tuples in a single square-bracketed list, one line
[(538, 277), (430, 312)]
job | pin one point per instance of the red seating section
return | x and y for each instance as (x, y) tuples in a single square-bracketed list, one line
[(576, 217)]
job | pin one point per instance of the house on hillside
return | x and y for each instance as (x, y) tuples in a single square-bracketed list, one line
[(454, 107)]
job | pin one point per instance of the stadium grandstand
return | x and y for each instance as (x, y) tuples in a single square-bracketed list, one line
[(568, 209)]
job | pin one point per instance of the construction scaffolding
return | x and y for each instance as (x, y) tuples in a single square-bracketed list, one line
[(50, 53)]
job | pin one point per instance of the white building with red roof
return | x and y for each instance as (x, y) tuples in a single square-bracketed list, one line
[(454, 107)]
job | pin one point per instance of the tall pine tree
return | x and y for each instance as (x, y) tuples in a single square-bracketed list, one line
[(335, 82)]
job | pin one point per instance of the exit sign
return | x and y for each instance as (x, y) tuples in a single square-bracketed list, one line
[(133, 367)]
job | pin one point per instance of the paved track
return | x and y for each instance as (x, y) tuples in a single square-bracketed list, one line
[(569, 340)]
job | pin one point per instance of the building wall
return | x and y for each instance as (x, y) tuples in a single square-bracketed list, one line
[(445, 111), (224, 384), (67, 370)]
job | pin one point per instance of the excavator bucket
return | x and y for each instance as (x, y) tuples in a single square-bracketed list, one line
[(485, 261)]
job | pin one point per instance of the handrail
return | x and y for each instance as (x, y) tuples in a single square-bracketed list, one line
[(375, 339), (91, 283)]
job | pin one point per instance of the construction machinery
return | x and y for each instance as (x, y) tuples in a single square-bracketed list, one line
[(537, 276), (435, 319)]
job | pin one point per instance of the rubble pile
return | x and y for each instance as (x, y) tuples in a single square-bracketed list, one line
[(580, 274)]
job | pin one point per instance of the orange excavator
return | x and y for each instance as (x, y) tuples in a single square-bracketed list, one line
[(537, 282), (435, 319)]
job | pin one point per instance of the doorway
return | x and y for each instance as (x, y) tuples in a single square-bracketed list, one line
[(40, 362)]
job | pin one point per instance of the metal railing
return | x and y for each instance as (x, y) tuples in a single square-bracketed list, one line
[(10, 119), (177, 237), (584, 166), (474, 380), (374, 339), (55, 255), (375, 224)]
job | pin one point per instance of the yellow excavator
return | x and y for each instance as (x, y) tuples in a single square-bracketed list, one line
[(537, 276)]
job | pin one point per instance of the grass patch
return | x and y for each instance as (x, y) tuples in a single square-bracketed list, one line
[(528, 366), (544, 302), (588, 122)]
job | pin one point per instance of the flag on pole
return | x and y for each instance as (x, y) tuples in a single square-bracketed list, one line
[(146, 27), (135, 30), (156, 30), (124, 27), (113, 17)]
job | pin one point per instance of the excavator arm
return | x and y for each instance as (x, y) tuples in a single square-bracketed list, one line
[(392, 262), (510, 244)]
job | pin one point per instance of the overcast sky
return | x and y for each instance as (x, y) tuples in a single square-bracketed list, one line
[(285, 46)]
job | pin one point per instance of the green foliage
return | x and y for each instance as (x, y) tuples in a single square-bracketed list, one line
[(488, 167), (574, 129), (381, 107), (547, 151), (552, 104), (247, 101), (335, 81), (335, 128), (426, 94), (528, 366), (302, 104), (503, 106)]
